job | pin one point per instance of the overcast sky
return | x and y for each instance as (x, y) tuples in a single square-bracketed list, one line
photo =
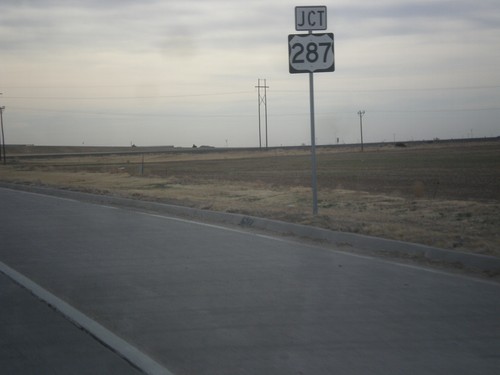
[(164, 72)]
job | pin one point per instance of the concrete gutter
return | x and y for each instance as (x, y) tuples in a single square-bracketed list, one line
[(343, 240)]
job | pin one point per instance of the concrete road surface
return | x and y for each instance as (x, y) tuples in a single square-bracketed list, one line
[(36, 339), (202, 299)]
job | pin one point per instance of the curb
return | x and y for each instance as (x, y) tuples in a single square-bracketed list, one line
[(369, 244)]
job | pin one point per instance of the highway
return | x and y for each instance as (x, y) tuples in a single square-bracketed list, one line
[(202, 299)]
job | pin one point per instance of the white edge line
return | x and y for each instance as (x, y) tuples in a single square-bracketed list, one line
[(117, 344)]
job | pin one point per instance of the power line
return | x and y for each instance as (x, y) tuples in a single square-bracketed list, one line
[(131, 114), (125, 97), (438, 110), (138, 97), (399, 89), (236, 115), (349, 111), (472, 87)]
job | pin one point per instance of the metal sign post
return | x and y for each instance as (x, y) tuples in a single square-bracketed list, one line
[(310, 53), (313, 145)]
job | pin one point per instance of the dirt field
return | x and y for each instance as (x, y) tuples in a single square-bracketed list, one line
[(441, 194)]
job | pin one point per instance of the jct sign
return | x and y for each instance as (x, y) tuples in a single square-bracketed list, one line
[(310, 18), (311, 53)]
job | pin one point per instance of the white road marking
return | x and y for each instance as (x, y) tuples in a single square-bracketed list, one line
[(117, 344)]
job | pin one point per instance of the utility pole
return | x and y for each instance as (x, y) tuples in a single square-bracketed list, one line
[(258, 105), (262, 99), (1, 142), (3, 136), (265, 108), (361, 113), (313, 144)]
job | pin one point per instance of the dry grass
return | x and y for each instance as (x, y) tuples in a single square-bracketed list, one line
[(444, 197)]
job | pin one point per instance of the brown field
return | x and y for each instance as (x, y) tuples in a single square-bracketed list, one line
[(440, 194)]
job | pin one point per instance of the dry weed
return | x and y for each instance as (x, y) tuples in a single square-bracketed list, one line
[(421, 216)]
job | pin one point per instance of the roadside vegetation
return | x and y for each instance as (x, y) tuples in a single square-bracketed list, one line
[(440, 194)]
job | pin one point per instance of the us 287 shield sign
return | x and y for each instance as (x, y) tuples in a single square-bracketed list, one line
[(311, 53)]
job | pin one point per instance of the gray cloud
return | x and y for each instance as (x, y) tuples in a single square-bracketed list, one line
[(417, 17), (177, 50)]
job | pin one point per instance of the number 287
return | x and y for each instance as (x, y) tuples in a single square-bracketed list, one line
[(311, 52)]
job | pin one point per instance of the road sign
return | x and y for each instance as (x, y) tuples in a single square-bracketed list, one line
[(311, 53), (310, 18)]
